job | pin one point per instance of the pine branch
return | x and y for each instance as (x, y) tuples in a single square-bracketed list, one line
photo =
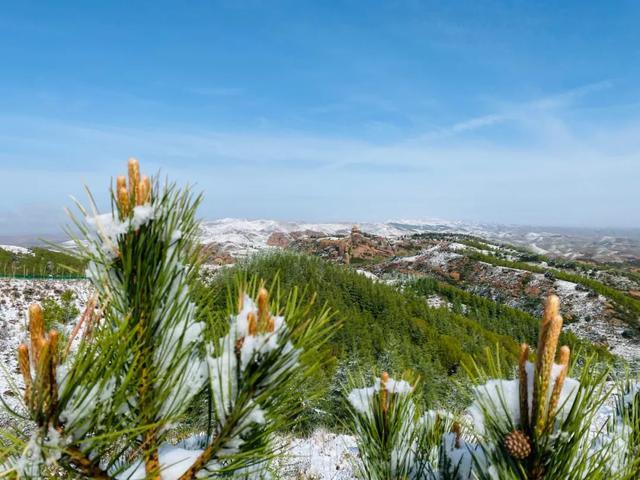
[(253, 367), (109, 401), (86, 466), (537, 426), (226, 433), (385, 422)]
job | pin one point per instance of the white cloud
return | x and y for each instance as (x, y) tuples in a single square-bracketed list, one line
[(557, 172), (520, 113)]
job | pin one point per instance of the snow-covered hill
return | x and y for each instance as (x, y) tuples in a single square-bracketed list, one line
[(240, 237), (16, 249)]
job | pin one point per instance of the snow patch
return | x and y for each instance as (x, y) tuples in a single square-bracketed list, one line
[(369, 275), (360, 398), (16, 249), (322, 456), (174, 461), (502, 397)]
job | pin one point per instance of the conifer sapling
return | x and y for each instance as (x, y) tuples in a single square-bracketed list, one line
[(537, 426), (107, 408)]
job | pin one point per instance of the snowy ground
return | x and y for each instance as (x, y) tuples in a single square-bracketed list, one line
[(369, 275), (15, 297), (436, 301), (437, 256), (322, 456)]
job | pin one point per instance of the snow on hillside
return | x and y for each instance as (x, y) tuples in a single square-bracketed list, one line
[(240, 237), (255, 233), (15, 297), (16, 249), (437, 256)]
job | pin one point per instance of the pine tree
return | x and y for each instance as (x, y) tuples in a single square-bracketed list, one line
[(538, 426), (109, 403), (535, 427), (396, 441), (624, 430)]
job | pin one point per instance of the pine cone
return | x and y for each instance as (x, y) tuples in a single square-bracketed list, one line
[(517, 444)]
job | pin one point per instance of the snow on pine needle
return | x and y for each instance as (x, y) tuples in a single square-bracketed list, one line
[(538, 425), (623, 429), (396, 441), (109, 408), (382, 418), (252, 370), (361, 398)]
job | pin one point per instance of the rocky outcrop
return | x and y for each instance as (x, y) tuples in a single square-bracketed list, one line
[(216, 254), (355, 248), (279, 239)]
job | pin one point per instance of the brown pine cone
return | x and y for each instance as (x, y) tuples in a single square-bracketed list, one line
[(517, 444)]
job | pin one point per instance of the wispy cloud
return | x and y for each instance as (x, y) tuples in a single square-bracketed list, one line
[(567, 97), (477, 122), (575, 173), (520, 112)]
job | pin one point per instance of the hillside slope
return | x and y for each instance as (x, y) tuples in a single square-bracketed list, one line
[(38, 262), (601, 302), (386, 328)]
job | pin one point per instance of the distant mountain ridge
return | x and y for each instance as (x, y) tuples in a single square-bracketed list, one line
[(240, 237)]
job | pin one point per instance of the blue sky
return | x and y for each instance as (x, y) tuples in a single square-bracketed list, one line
[(508, 112)]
